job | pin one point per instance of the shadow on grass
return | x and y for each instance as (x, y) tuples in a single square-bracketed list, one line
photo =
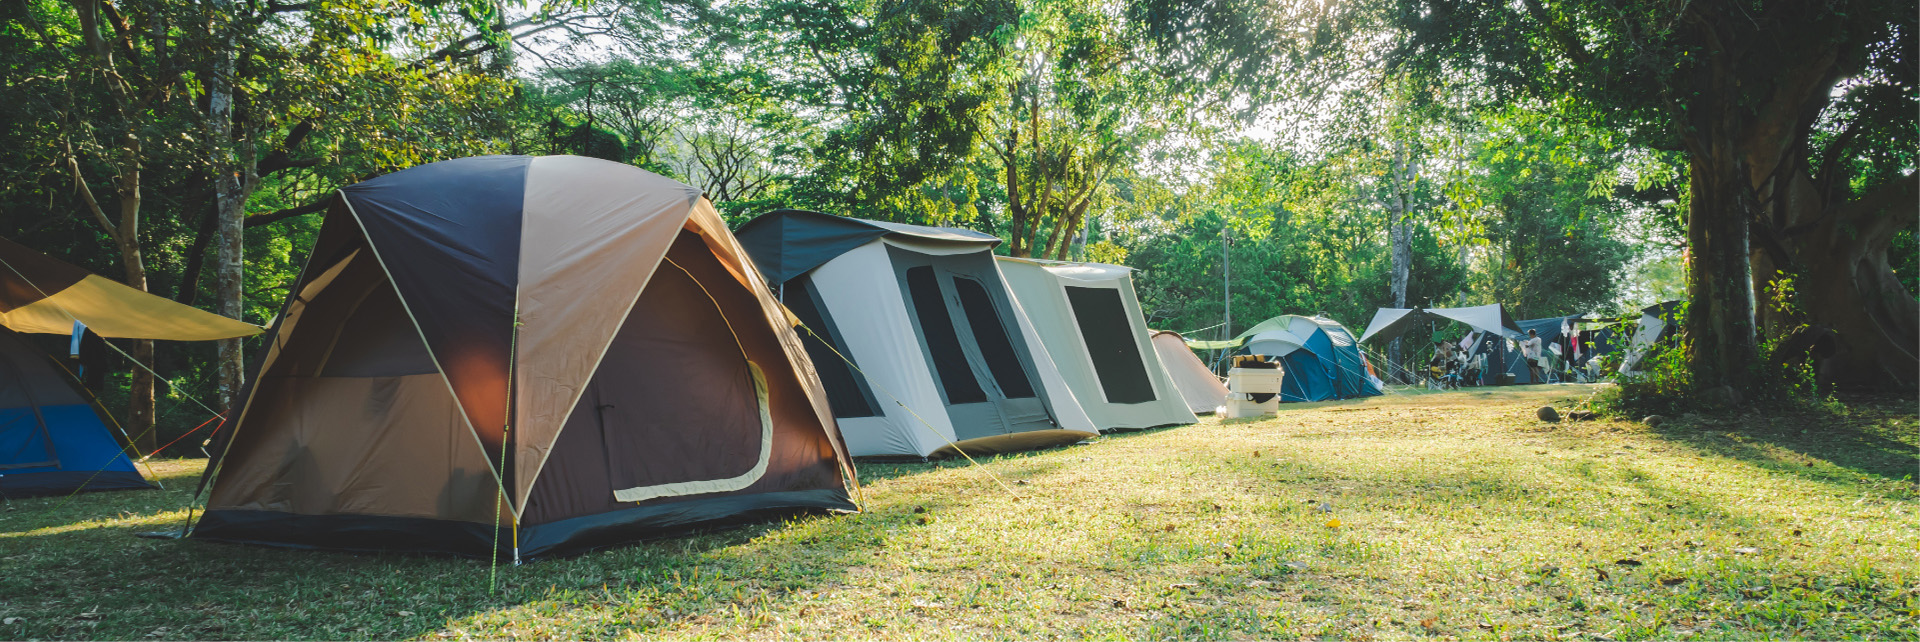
[(1875, 436), (75, 571)]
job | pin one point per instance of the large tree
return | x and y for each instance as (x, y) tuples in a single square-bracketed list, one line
[(1766, 99), (161, 119)]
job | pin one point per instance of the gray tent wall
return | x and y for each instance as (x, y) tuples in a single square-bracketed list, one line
[(943, 357), (1089, 320), (1551, 332)]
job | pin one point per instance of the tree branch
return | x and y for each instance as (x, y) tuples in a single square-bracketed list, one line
[(275, 217), (1568, 43)]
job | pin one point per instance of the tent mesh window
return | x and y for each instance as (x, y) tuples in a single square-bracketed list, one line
[(1111, 343), (936, 329), (995, 346), (847, 391)]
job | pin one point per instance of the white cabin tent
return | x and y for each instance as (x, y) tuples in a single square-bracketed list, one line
[(1655, 324), (923, 350), (1089, 320), (1203, 390)]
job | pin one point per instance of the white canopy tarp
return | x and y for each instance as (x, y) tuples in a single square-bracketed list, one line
[(1391, 322)]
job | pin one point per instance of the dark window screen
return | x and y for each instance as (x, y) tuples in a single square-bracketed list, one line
[(995, 346), (936, 328), (846, 389), (1110, 341)]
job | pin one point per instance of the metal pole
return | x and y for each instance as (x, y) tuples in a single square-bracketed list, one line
[(1226, 275), (1226, 278)]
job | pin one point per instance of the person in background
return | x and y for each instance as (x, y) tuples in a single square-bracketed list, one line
[(1530, 350)]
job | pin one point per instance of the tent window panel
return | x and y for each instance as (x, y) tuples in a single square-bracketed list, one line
[(1105, 327), (995, 346), (936, 329), (847, 390)]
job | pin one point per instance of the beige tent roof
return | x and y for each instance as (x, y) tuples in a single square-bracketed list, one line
[(1203, 391)]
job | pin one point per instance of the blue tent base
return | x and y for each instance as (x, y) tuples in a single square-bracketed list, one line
[(62, 482)]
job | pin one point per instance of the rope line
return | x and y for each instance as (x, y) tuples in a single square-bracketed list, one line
[(130, 445), (910, 411), (132, 442)]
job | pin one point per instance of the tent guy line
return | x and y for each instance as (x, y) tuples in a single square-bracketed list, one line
[(109, 344), (896, 400)]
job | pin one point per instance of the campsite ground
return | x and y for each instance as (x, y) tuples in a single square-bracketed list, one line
[(1453, 515)]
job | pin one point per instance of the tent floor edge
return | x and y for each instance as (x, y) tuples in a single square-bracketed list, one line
[(63, 482), (418, 535), (576, 535), (1127, 429), (1013, 442)]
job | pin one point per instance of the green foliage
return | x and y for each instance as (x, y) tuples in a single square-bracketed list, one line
[(1663, 385)]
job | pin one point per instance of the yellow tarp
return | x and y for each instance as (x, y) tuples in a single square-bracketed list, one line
[(113, 310)]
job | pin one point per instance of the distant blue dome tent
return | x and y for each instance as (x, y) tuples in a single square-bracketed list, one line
[(1321, 359), (53, 439)]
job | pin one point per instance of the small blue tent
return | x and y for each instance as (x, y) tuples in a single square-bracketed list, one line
[(52, 442), (1321, 359)]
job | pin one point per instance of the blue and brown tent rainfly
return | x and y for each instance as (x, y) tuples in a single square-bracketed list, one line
[(54, 439), (512, 355)]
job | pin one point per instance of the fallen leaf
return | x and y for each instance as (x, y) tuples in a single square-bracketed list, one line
[(1183, 585), (1430, 622), (1670, 581), (1333, 523), (13, 620), (1627, 562)]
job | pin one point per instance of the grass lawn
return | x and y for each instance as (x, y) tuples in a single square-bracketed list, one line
[(1451, 515)]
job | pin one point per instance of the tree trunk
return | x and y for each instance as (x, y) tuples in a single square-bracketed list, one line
[(140, 415), (233, 182), (1402, 240), (1837, 254), (1720, 329)]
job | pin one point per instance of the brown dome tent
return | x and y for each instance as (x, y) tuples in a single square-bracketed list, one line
[(527, 356)]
